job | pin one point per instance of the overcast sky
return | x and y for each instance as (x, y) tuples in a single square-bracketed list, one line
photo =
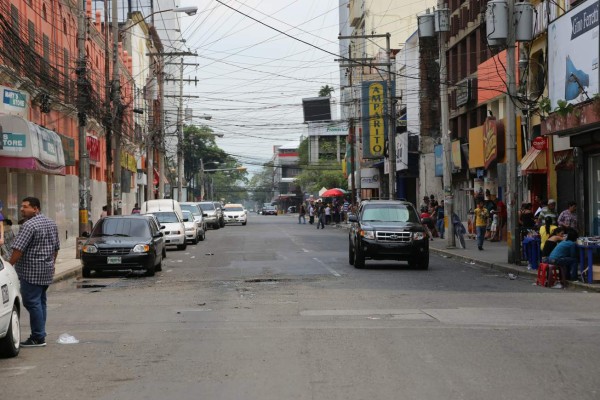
[(252, 78)]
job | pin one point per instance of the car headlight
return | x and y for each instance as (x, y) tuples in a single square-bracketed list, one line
[(418, 235), (190, 229), (90, 249), (367, 234), (141, 248)]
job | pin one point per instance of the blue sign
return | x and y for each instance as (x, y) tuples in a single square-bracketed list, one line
[(13, 98), (438, 151)]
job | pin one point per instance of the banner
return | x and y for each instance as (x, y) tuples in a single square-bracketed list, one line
[(374, 121)]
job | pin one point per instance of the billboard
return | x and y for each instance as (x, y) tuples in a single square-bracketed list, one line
[(316, 109), (333, 128), (573, 54)]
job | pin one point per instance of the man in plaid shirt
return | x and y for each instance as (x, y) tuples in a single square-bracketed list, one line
[(568, 218), (34, 252)]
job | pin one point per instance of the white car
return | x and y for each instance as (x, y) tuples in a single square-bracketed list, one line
[(10, 310), (235, 214), (193, 231), (172, 228)]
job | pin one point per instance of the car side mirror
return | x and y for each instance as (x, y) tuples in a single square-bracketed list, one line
[(85, 234), (186, 220), (158, 234), (352, 218), (205, 215), (163, 227)]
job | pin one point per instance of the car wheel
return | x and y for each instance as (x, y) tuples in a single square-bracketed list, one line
[(86, 272), (164, 252), (182, 246), (195, 240), (11, 343), (203, 236), (244, 223), (216, 226), (359, 258), (222, 224), (423, 262), (350, 254)]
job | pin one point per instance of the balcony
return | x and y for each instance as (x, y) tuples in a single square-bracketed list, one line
[(584, 116)]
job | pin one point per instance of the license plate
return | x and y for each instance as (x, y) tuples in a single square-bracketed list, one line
[(113, 260)]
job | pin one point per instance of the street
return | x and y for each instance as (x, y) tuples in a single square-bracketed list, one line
[(273, 310)]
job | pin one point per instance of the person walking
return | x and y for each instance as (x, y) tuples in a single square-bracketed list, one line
[(33, 255), (321, 216), (311, 213), (568, 218), (481, 219), (302, 214)]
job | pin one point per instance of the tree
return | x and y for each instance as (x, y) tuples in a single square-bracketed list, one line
[(326, 91), (261, 185)]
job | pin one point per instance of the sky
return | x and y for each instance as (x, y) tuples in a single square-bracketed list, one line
[(251, 78)]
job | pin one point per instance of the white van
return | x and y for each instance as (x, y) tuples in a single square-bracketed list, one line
[(151, 206)]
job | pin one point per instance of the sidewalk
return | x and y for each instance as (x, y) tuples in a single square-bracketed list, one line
[(494, 256), (67, 265)]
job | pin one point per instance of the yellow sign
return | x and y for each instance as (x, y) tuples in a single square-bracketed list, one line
[(376, 119)]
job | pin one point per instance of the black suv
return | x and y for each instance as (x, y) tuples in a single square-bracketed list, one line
[(387, 230)]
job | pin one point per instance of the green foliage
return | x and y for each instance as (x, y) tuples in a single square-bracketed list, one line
[(325, 174), (326, 91), (545, 105), (563, 108), (261, 185)]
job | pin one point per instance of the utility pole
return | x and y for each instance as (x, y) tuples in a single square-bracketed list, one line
[(511, 143), (391, 124), (180, 165), (117, 112), (352, 138), (150, 137), (83, 103), (107, 113), (180, 135), (442, 26), (352, 63)]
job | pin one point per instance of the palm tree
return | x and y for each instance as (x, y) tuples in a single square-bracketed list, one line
[(326, 91)]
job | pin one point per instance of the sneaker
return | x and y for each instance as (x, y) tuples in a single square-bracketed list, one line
[(31, 342), (557, 286)]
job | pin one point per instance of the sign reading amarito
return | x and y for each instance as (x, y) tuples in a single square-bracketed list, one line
[(374, 121)]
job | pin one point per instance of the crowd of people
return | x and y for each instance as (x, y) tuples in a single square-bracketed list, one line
[(324, 213)]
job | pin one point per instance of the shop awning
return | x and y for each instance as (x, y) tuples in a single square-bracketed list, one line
[(157, 176), (29, 146), (534, 162)]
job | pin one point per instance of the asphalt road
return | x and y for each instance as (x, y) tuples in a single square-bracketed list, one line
[(273, 310)]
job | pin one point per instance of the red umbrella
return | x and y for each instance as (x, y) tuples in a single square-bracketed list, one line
[(332, 193)]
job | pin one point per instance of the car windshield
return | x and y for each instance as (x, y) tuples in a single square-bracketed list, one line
[(166, 217), (187, 215), (233, 208), (192, 209), (389, 213), (207, 206), (125, 227)]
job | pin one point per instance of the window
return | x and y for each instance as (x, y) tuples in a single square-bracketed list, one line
[(389, 213), (31, 32), (14, 14)]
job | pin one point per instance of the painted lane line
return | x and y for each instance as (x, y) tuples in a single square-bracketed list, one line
[(327, 267), (306, 251)]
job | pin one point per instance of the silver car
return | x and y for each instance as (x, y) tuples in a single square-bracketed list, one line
[(209, 212), (10, 310)]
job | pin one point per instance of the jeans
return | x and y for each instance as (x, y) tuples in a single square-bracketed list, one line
[(34, 300), (321, 222), (480, 235), (440, 227), (301, 217)]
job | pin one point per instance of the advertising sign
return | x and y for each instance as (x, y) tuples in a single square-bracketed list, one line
[(456, 155), (369, 178), (402, 151), (540, 143), (334, 128), (438, 151), (573, 54), (14, 102), (374, 121)]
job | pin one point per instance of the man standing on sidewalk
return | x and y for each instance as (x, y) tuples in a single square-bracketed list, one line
[(481, 219), (34, 253)]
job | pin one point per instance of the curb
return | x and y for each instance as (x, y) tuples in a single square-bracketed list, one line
[(508, 268), (70, 272)]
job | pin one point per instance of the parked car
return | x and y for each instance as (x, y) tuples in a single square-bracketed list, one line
[(123, 242), (196, 211), (387, 230), (235, 214), (193, 232), (172, 228), (220, 213), (291, 209), (269, 210), (151, 206), (10, 310), (209, 212)]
